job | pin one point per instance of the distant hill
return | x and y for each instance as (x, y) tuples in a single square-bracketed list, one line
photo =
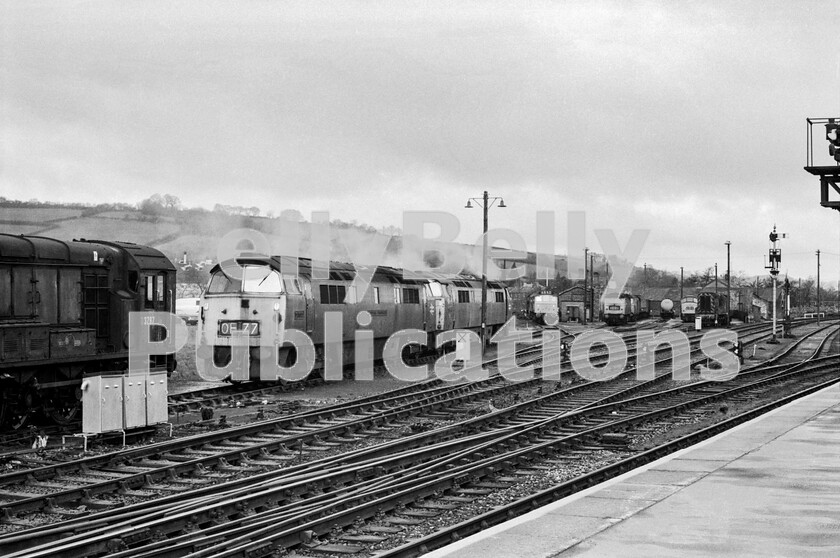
[(197, 232)]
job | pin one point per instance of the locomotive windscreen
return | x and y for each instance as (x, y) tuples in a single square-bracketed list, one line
[(255, 279)]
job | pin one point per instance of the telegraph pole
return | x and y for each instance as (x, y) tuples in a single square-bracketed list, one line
[(592, 284), (818, 287), (585, 296), (716, 292), (728, 298)]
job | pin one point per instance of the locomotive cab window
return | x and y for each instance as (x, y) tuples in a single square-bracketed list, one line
[(155, 295), (434, 288), (261, 279), (150, 291), (221, 283), (133, 281), (411, 296), (160, 289), (375, 295), (500, 296), (463, 296), (332, 294), (292, 284)]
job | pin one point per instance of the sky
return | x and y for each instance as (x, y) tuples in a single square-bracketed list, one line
[(686, 119)]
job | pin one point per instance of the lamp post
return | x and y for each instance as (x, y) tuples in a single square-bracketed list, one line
[(486, 203)]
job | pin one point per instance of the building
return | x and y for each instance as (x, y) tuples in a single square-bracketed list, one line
[(573, 302)]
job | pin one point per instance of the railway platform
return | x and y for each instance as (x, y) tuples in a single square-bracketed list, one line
[(769, 487)]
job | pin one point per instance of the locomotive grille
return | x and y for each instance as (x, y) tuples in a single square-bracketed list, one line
[(37, 344), (11, 346)]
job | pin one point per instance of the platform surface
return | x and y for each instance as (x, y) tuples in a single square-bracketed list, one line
[(769, 487)]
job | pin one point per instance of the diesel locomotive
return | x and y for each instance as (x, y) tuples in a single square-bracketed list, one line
[(267, 296), (542, 305), (711, 309), (621, 310), (688, 306), (64, 309)]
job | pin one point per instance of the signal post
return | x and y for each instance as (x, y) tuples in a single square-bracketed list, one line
[(775, 260)]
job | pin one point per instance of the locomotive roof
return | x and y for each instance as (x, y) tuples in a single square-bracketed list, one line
[(40, 249), (342, 271), (145, 256)]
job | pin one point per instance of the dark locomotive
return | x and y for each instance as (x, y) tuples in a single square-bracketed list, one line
[(711, 309), (64, 314)]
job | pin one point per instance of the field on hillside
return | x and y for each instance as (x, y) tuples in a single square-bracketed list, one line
[(37, 214), (19, 229), (196, 246), (113, 229), (131, 216)]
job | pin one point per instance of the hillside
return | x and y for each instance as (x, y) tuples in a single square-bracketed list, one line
[(197, 232)]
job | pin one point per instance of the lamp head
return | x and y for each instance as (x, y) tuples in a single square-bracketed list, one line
[(502, 203), (469, 204)]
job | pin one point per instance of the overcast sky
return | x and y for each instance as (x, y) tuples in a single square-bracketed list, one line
[(685, 118)]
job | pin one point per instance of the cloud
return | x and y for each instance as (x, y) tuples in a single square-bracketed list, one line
[(644, 115)]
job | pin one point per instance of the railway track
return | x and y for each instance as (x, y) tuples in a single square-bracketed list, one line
[(499, 514), (224, 450), (508, 429), (56, 489), (220, 396), (256, 522)]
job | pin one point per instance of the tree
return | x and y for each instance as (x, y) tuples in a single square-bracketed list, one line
[(194, 277), (152, 206), (171, 202)]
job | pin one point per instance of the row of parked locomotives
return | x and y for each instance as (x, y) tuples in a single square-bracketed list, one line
[(621, 310), (64, 309), (711, 309), (265, 297)]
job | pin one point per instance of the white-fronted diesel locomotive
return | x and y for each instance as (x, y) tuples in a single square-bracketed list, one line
[(267, 296), (64, 309), (688, 306), (544, 306), (621, 310)]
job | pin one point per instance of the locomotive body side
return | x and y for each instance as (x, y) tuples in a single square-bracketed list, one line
[(274, 296)]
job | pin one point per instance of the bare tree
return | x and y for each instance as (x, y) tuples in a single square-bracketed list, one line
[(171, 202)]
